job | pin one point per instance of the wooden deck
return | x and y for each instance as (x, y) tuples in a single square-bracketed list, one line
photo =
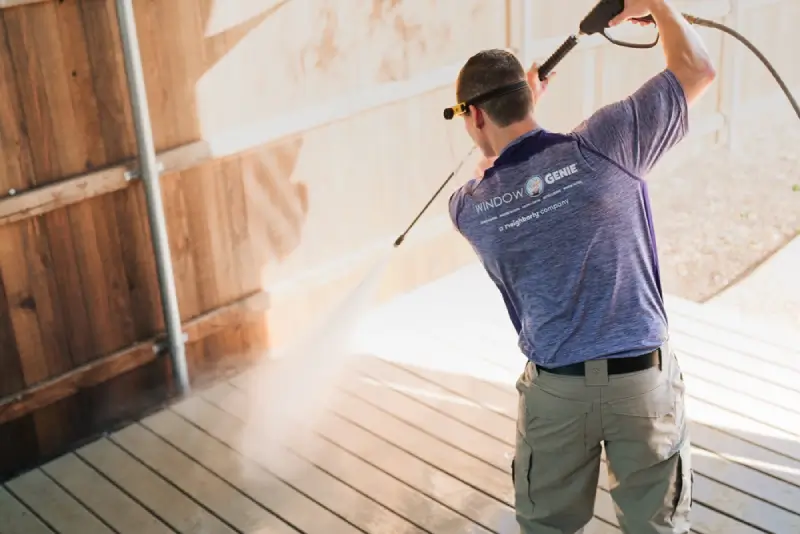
[(419, 438)]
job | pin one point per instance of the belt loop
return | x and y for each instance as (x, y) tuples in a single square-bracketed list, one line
[(660, 359), (596, 372), (534, 370)]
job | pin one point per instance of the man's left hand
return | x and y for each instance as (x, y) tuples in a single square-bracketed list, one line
[(483, 164), (538, 87)]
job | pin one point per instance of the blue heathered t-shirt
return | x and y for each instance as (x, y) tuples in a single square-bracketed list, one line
[(562, 225)]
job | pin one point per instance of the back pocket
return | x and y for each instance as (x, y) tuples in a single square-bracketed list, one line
[(649, 418), (652, 404)]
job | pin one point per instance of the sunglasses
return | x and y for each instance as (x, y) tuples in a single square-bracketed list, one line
[(463, 107)]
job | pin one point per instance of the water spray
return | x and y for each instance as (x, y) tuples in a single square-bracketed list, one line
[(597, 21)]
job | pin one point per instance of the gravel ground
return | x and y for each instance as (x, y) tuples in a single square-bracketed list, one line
[(719, 216)]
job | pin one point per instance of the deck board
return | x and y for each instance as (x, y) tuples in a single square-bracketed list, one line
[(734, 361), (169, 503), (731, 339), (232, 400), (424, 477), (413, 505), (439, 466), (206, 488), (334, 494), (102, 497), (16, 518), (55, 505), (250, 478), (450, 433), (419, 439)]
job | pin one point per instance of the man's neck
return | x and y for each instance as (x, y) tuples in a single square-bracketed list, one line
[(512, 132)]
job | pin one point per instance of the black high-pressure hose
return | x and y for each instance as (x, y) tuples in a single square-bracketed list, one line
[(742, 39), (597, 22)]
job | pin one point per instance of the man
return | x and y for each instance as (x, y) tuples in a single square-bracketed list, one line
[(562, 225)]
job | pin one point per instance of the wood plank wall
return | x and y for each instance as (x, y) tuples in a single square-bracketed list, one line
[(77, 283), (298, 138)]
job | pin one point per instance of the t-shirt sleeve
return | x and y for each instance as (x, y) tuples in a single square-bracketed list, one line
[(457, 201), (637, 131), (455, 206)]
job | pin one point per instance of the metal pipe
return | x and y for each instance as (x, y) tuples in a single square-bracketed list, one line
[(150, 178)]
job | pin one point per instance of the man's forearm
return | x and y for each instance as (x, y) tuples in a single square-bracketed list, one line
[(685, 52)]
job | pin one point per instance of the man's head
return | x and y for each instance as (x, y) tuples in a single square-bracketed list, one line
[(495, 122)]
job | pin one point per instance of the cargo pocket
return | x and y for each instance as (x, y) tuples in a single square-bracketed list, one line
[(521, 476), (684, 482), (513, 463)]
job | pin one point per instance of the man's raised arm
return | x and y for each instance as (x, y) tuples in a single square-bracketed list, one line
[(637, 131)]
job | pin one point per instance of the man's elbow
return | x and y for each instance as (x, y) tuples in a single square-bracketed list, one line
[(705, 75), (696, 78), (706, 72)]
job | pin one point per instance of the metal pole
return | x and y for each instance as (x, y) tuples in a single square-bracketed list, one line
[(150, 177)]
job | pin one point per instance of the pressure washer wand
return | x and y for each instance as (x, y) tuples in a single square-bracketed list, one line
[(402, 237)]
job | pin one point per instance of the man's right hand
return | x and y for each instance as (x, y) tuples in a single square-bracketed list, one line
[(538, 87), (634, 9), (685, 52)]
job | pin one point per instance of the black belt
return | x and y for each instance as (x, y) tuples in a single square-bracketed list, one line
[(616, 366)]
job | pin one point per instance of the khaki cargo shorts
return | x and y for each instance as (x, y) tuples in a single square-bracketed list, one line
[(563, 426)]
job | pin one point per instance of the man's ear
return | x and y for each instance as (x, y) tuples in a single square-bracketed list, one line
[(478, 117)]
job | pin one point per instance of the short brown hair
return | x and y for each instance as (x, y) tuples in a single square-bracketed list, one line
[(490, 69)]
